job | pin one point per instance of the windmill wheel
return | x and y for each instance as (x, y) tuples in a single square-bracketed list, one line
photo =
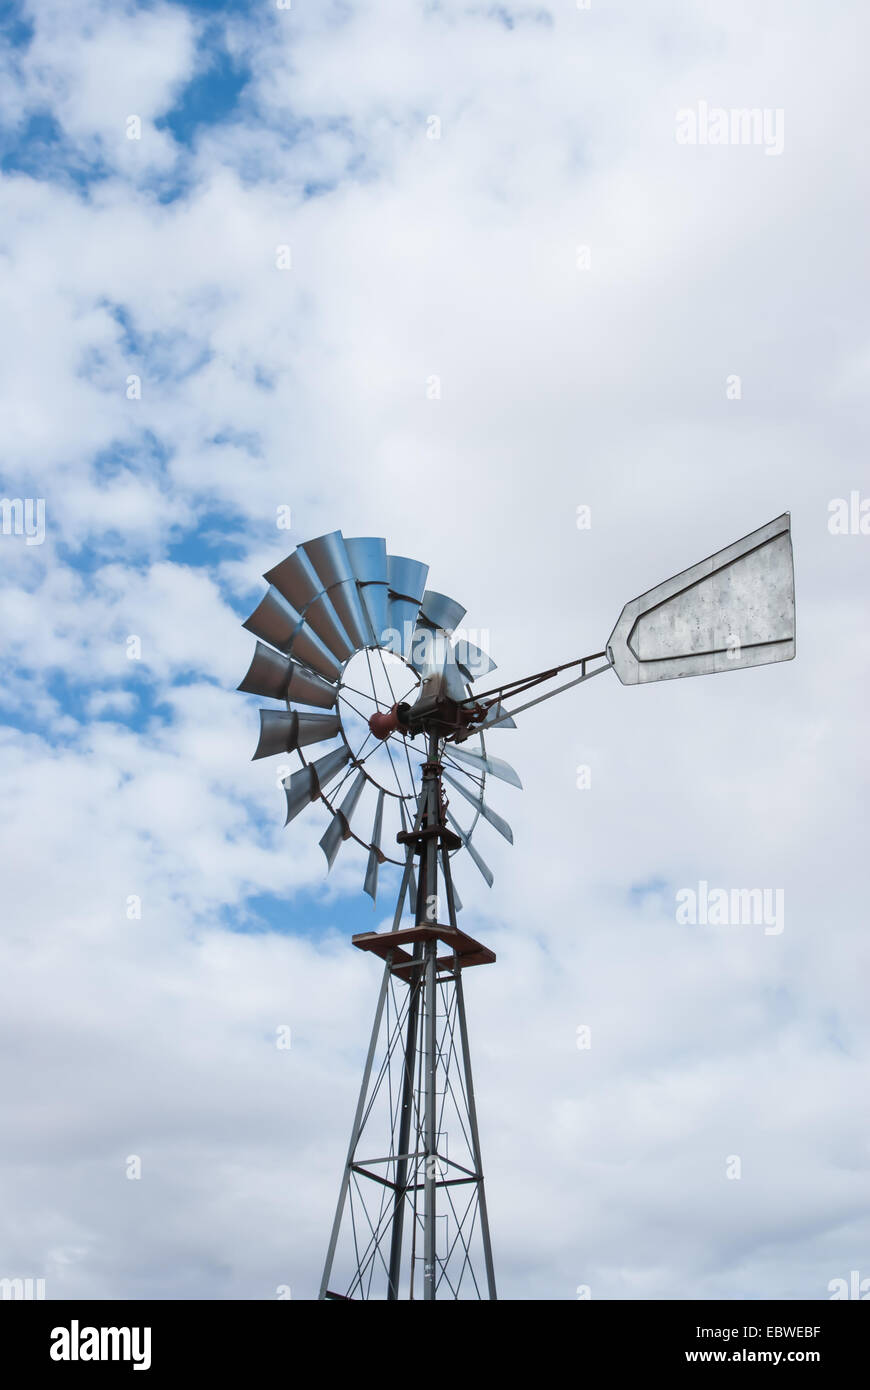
[(348, 635)]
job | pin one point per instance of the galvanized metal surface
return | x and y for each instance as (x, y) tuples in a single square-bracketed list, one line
[(370, 883), (322, 617), (268, 673), (306, 646), (472, 661), (276, 621), (477, 858), (496, 767), (368, 558), (441, 611), (431, 654), (498, 718), (283, 730), (338, 829), (348, 605), (734, 609), (480, 805), (309, 782), (376, 599), (297, 579), (307, 688), (329, 557), (406, 578)]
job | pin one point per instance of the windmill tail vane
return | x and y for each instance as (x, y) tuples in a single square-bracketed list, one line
[(375, 683)]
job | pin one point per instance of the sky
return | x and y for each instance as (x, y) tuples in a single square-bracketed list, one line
[(444, 273)]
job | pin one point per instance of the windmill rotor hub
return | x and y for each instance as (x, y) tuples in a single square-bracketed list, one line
[(383, 723), (435, 711)]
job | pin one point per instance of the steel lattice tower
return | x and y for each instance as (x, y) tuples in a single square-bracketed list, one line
[(415, 1219)]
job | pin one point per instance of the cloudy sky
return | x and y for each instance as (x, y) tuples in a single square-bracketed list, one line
[(507, 290)]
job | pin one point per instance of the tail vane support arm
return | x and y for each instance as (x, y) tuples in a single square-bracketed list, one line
[(480, 705)]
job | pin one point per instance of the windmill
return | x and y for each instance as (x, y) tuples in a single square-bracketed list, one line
[(388, 708)]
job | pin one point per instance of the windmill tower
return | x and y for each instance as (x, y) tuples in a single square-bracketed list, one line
[(387, 688)]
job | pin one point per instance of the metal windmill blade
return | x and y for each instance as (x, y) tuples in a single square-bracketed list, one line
[(376, 856), (347, 635), (339, 827), (481, 807), (496, 767), (283, 730)]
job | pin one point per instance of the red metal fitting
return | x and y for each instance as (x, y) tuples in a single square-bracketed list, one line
[(384, 722)]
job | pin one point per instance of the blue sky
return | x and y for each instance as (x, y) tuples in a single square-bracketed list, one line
[(441, 366)]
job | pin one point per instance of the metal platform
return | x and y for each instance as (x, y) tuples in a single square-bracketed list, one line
[(465, 951)]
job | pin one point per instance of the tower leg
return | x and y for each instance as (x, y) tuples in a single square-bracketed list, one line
[(355, 1132), (405, 1117), (430, 1154), (475, 1139)]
